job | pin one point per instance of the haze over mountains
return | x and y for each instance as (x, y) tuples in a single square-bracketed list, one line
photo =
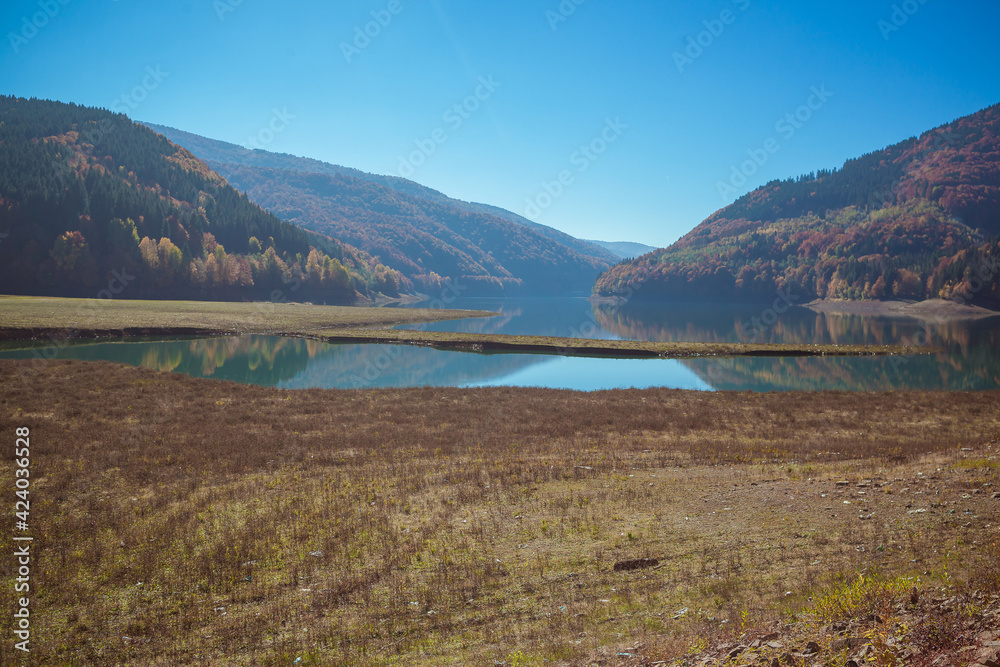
[(625, 249), (917, 220), (422, 233)]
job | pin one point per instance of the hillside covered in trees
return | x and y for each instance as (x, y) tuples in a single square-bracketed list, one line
[(917, 220), (91, 202), (424, 234)]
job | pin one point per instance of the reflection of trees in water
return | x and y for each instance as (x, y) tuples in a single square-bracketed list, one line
[(979, 371), (353, 366), (264, 360), (673, 322), (161, 358), (298, 363), (970, 356)]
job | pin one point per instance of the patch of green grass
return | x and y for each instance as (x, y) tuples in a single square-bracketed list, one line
[(867, 595), (977, 464)]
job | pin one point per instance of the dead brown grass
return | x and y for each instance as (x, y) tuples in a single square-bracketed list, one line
[(34, 316), (183, 521)]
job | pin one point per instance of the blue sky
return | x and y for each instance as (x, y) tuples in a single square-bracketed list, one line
[(602, 119)]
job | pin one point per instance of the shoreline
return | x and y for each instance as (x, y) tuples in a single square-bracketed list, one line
[(939, 310), (35, 318), (486, 343), (590, 347)]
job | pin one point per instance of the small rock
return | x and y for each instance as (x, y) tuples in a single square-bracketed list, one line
[(996, 495), (635, 564), (811, 648), (846, 643)]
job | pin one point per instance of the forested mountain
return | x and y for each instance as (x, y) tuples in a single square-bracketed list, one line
[(919, 219), (419, 231), (90, 199)]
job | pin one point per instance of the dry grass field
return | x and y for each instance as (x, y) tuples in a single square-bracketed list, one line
[(182, 521), (37, 316)]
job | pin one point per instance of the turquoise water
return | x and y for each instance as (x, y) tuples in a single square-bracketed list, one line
[(969, 358)]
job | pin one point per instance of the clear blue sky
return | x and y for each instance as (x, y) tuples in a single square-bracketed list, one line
[(223, 67)]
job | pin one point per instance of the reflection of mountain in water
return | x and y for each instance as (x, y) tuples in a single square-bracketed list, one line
[(356, 366), (296, 363), (565, 316), (968, 360)]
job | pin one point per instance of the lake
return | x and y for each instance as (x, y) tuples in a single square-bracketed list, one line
[(969, 358)]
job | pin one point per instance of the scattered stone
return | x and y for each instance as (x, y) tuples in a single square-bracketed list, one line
[(811, 648), (635, 564), (989, 656), (846, 643), (996, 495)]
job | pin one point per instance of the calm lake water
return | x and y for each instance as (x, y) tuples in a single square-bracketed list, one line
[(969, 360)]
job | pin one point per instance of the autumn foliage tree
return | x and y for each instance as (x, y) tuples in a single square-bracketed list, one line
[(87, 195)]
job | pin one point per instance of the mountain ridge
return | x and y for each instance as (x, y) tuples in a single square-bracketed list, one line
[(417, 230), (915, 220)]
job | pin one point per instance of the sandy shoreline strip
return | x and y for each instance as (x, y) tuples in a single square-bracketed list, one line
[(931, 309)]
